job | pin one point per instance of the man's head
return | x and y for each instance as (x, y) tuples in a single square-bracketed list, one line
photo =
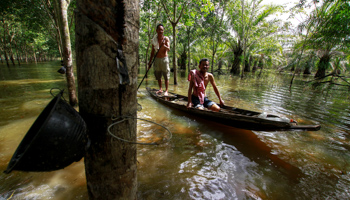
[(204, 64), (160, 29)]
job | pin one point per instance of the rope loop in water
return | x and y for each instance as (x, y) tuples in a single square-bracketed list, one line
[(124, 118)]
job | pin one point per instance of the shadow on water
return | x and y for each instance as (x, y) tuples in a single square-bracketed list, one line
[(250, 145)]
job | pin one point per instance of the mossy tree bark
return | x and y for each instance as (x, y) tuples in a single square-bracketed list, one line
[(103, 27)]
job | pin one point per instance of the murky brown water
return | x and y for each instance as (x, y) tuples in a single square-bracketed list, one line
[(203, 160)]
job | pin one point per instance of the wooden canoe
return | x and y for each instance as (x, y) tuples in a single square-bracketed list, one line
[(235, 117)]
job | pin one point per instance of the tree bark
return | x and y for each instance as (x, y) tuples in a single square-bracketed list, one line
[(6, 58), (174, 51), (18, 58), (255, 66), (189, 51), (104, 27), (237, 51), (67, 50), (34, 54), (235, 69), (322, 66)]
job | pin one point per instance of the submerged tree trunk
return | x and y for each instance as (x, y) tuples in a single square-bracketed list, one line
[(307, 69), (34, 54), (248, 64), (6, 58), (322, 66), (261, 64), (255, 66), (67, 50), (235, 69), (11, 56), (110, 164), (18, 58)]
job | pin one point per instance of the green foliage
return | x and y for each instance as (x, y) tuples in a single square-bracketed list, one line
[(326, 33), (31, 26)]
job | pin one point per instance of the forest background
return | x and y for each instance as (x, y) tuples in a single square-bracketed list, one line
[(238, 36)]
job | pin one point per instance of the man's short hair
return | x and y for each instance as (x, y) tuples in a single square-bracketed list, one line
[(203, 60), (159, 26)]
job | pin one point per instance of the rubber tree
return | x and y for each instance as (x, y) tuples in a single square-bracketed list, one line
[(192, 21), (52, 14), (217, 29), (107, 42), (62, 7), (174, 15), (148, 19)]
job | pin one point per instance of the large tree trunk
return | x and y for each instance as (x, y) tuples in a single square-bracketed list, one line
[(322, 66), (67, 50), (103, 28), (235, 69)]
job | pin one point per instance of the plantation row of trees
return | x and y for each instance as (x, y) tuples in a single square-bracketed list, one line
[(38, 30), (242, 35), (30, 32)]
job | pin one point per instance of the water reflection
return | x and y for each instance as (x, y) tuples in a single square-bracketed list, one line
[(203, 160)]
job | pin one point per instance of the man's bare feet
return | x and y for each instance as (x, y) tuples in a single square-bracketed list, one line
[(159, 91), (166, 93)]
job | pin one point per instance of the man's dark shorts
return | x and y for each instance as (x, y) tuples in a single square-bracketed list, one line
[(196, 102)]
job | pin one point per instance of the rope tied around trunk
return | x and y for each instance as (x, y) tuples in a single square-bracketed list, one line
[(124, 118)]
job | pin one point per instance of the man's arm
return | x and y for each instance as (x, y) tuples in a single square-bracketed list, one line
[(189, 93), (151, 58), (166, 43), (212, 81)]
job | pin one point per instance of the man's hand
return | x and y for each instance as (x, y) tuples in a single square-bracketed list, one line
[(222, 103)]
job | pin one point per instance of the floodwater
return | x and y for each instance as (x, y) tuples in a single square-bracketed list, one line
[(203, 160)]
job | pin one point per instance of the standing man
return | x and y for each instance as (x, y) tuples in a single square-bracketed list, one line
[(161, 45), (198, 83)]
